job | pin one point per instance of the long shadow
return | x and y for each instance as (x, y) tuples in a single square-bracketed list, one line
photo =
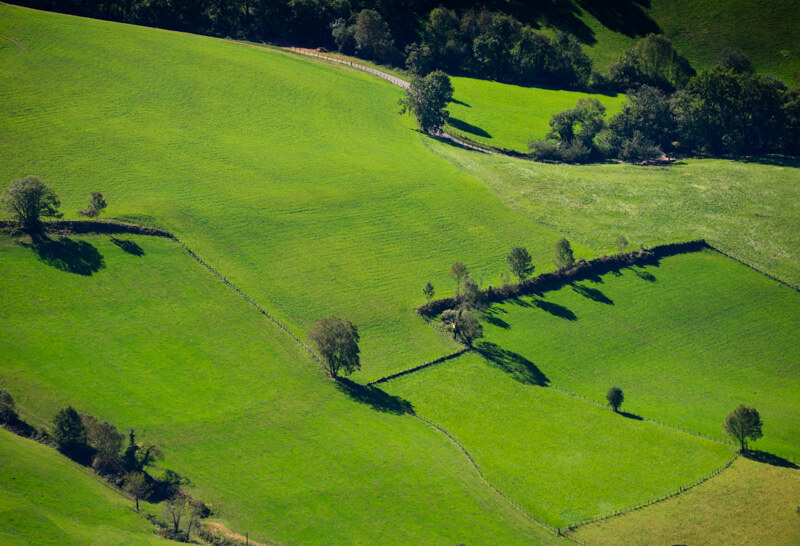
[(128, 246), (630, 416), (468, 127), (775, 160), (494, 320), (514, 364), (644, 275), (374, 397), (625, 16), (768, 458), (456, 101), (555, 309), (592, 293), (65, 254)]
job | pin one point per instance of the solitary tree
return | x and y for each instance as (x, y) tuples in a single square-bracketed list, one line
[(622, 244), (174, 510), (69, 433), (426, 98), (743, 423), (137, 484), (95, 206), (564, 256), (615, 398), (337, 342), (519, 261), (428, 291), (457, 272), (29, 199), (464, 323), (8, 410)]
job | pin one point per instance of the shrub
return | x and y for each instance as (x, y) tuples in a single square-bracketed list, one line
[(8, 410), (70, 434)]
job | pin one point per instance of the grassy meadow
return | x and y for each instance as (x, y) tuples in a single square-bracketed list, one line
[(48, 499), (747, 209), (562, 458), (295, 178), (510, 116), (687, 342), (768, 32), (147, 338), (728, 509)]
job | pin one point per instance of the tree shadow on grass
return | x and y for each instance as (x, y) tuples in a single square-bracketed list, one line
[(768, 458), (128, 246), (624, 16), (516, 365), (374, 397), (65, 254), (643, 274), (592, 293), (456, 101), (468, 127), (630, 416), (555, 309), (494, 320)]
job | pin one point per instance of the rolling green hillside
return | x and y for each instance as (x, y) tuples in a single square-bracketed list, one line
[(687, 342), (729, 509), (563, 459), (768, 32), (297, 179), (151, 340), (48, 499), (747, 209)]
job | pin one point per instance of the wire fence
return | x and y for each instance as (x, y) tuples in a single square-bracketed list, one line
[(420, 367)]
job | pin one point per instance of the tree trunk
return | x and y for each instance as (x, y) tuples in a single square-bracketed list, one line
[(137, 503)]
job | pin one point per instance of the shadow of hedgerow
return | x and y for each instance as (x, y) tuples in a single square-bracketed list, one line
[(374, 397)]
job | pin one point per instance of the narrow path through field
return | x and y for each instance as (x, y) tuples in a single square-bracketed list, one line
[(400, 83)]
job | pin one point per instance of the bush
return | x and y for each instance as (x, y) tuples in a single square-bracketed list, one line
[(8, 410), (70, 434), (638, 149)]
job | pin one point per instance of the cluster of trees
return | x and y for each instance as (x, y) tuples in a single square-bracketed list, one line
[(726, 110), (29, 200), (89, 441), (497, 46)]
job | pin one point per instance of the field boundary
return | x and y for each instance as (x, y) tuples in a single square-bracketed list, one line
[(420, 367), (114, 227), (754, 268), (582, 270), (403, 84)]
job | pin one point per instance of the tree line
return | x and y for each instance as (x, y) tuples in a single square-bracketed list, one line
[(727, 110)]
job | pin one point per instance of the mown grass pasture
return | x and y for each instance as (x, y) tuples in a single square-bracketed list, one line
[(510, 116), (147, 338), (750, 503), (297, 179), (746, 208), (48, 499), (564, 459), (687, 342)]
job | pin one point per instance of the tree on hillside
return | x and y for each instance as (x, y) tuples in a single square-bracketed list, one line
[(428, 291), (519, 262), (615, 398), (70, 434), (465, 325), (373, 37), (426, 98), (106, 441), (96, 205), (472, 297), (743, 423), (735, 60), (652, 61), (8, 409), (138, 457), (564, 257), (174, 510), (572, 133), (29, 199), (337, 342), (457, 272), (138, 485)]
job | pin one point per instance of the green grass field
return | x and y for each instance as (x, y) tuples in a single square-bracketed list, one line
[(157, 343), (563, 459), (729, 509), (746, 209), (686, 341), (510, 116), (297, 179), (768, 32), (48, 499)]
